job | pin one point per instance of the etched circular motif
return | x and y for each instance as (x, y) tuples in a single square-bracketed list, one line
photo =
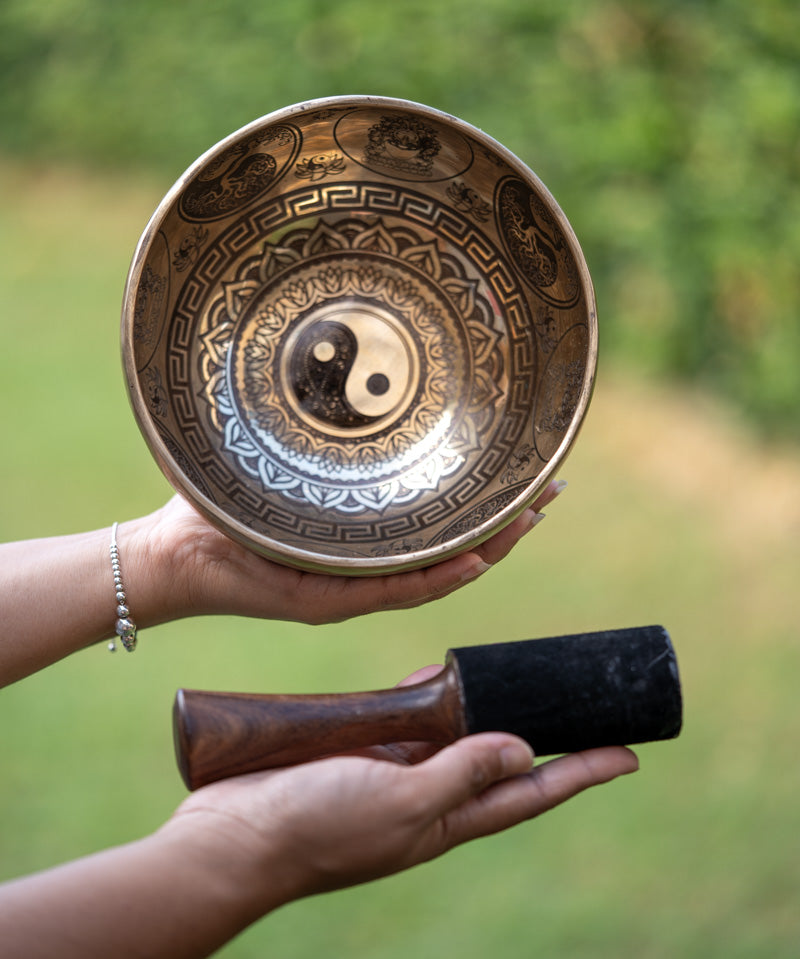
[(536, 244), (240, 173), (403, 146)]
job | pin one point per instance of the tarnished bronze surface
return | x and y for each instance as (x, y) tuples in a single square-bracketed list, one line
[(359, 335)]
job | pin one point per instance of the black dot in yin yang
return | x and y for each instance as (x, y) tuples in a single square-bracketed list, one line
[(378, 384)]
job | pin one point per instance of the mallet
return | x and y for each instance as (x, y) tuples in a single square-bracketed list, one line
[(561, 694)]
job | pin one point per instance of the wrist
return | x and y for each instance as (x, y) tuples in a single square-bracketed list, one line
[(237, 866), (180, 565), (154, 592)]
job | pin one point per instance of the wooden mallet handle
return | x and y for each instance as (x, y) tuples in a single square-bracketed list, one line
[(218, 734)]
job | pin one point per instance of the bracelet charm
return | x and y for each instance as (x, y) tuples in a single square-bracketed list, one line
[(125, 626)]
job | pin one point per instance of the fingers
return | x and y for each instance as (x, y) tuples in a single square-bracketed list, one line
[(405, 590), (345, 597), (525, 796), (553, 489), (344, 819), (588, 768), (238, 582), (497, 547), (466, 768), (559, 779), (420, 675)]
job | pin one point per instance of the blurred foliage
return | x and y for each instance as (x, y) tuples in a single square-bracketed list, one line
[(666, 130)]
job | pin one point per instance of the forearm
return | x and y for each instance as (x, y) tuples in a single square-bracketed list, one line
[(57, 595), (169, 896)]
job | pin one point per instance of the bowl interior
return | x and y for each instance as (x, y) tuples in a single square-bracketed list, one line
[(359, 335)]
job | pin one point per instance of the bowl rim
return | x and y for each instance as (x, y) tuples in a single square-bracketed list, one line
[(317, 561)]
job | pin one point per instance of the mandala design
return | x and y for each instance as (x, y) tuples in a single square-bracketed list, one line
[(339, 371)]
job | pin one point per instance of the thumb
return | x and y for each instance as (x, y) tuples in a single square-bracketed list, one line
[(470, 765)]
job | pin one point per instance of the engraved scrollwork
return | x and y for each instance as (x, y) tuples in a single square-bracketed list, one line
[(475, 517), (189, 248), (301, 421), (320, 166), (149, 307), (468, 201), (184, 463), (561, 409), (286, 278), (530, 244), (560, 390), (398, 547), (547, 328), (155, 392), (323, 114), (517, 464), (493, 158), (360, 329)]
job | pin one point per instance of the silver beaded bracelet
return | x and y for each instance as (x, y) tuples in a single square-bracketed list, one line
[(125, 627)]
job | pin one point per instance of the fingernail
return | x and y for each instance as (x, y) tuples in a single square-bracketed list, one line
[(559, 486), (531, 519), (516, 758), (477, 569), (635, 768)]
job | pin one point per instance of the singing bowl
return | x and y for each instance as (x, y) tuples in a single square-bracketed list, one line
[(359, 335)]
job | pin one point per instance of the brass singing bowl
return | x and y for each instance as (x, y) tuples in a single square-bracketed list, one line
[(359, 335)]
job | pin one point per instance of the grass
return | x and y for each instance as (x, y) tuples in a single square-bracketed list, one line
[(674, 514)]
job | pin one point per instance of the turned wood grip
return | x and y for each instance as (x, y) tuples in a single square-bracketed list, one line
[(219, 734)]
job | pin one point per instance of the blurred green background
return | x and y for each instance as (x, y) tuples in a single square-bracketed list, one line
[(668, 132)]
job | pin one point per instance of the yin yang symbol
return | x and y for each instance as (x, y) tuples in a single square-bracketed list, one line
[(350, 368)]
